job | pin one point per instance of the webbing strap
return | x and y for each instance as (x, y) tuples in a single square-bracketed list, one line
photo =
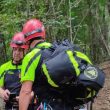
[(48, 77), (83, 56), (74, 62)]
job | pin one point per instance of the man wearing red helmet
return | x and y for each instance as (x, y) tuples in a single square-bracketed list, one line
[(31, 76), (10, 71), (36, 77)]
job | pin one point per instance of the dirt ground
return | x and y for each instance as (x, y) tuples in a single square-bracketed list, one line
[(102, 102)]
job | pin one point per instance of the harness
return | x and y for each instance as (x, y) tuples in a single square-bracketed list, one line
[(12, 80)]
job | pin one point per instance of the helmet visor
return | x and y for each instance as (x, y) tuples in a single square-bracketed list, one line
[(33, 32), (20, 44)]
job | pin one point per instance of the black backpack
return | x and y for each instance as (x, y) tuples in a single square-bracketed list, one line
[(69, 71)]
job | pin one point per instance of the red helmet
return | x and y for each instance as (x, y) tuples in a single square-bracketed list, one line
[(33, 28), (18, 40)]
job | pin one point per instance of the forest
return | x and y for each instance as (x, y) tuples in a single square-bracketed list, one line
[(83, 22)]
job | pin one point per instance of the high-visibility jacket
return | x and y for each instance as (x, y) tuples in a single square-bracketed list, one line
[(10, 77), (31, 68)]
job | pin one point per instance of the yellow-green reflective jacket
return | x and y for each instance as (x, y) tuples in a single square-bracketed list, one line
[(10, 76), (31, 61)]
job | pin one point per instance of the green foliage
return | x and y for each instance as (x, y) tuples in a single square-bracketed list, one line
[(81, 21)]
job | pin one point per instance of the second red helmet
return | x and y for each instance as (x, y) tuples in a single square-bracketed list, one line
[(18, 40), (33, 28)]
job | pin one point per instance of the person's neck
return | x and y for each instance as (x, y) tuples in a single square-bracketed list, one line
[(34, 43), (16, 62)]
